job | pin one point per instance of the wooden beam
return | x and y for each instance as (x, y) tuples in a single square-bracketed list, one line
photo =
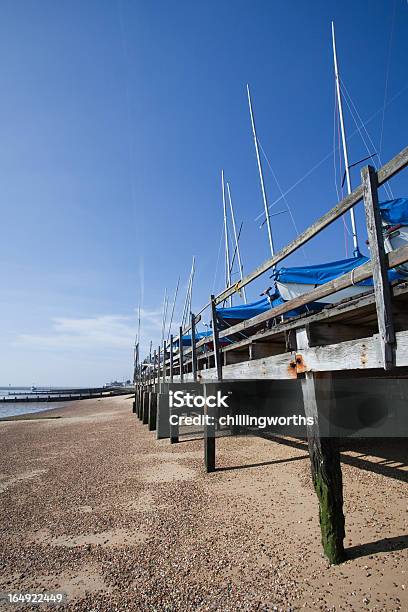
[(342, 282), (399, 162), (318, 400), (382, 290), (361, 354)]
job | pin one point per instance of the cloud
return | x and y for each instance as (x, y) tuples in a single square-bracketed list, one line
[(102, 332)]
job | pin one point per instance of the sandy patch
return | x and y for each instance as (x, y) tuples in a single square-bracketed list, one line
[(113, 537), (167, 472), (144, 503), (9, 482), (176, 456)]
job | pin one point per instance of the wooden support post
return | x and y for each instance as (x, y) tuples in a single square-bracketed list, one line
[(171, 358), (193, 348), (174, 429), (382, 289), (216, 339), (134, 405), (318, 399), (154, 370), (158, 370), (210, 413), (164, 360), (209, 436), (145, 417), (139, 404), (152, 411), (181, 355)]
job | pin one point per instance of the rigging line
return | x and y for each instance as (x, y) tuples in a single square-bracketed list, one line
[(326, 157), (386, 186), (284, 199), (173, 308), (218, 261), (236, 250), (387, 74)]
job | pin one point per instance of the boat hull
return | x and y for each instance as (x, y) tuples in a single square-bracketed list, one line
[(289, 291), (394, 241)]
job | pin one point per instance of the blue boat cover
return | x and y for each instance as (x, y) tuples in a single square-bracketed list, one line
[(198, 336), (395, 211), (321, 273), (247, 311)]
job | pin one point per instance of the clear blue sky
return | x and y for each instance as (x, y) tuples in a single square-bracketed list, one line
[(116, 118)]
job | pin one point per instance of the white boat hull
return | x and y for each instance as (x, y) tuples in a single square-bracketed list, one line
[(397, 239), (289, 291)]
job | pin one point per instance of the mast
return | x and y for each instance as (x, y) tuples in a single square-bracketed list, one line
[(227, 257), (344, 142), (165, 305), (173, 307), (241, 272), (189, 294), (261, 178)]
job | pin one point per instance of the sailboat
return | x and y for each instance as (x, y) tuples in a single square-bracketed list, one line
[(291, 282), (271, 297), (295, 281)]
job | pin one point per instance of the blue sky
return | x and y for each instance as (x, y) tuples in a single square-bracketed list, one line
[(116, 118)]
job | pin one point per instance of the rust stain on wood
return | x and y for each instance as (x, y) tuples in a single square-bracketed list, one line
[(301, 366), (292, 369)]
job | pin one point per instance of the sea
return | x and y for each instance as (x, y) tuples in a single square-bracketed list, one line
[(14, 409)]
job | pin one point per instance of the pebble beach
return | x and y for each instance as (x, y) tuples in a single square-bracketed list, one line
[(93, 506)]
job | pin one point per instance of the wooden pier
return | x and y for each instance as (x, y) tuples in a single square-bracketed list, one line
[(364, 336), (70, 396)]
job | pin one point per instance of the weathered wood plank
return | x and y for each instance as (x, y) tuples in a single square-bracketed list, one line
[(382, 290), (361, 354), (216, 340)]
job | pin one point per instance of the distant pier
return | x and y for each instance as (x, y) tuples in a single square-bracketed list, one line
[(65, 395)]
